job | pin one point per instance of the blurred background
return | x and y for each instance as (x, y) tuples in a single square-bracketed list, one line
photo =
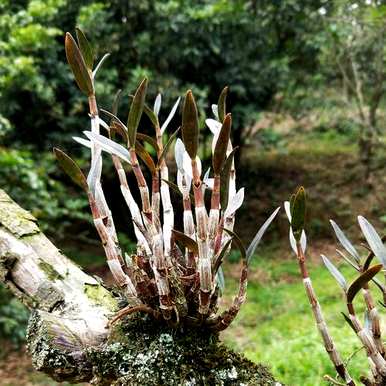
[(307, 84)]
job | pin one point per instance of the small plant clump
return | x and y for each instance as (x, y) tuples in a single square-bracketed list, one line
[(175, 276), (369, 333)]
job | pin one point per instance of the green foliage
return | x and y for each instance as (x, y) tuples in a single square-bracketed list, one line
[(206, 54), (13, 318), (30, 181)]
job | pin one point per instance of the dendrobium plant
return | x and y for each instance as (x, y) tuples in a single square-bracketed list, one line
[(174, 275), (369, 333)]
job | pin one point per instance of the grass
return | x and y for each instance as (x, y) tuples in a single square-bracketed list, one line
[(275, 325)]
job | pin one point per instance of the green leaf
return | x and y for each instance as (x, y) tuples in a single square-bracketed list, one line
[(145, 157), (358, 283), (135, 112), (186, 241), (85, 49), (221, 105), (190, 130), (116, 101), (167, 146), (220, 150), (298, 213), (151, 115), (224, 179), (70, 167), (78, 66)]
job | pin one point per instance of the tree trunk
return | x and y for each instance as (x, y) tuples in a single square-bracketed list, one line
[(68, 337)]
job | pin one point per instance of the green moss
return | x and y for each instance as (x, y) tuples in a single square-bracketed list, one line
[(51, 273), (100, 296)]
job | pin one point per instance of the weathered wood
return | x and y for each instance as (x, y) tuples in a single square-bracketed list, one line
[(72, 308), (68, 336)]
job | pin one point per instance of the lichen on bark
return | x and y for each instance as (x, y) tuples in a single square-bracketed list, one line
[(144, 352)]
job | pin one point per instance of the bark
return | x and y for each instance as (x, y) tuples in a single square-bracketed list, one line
[(68, 336)]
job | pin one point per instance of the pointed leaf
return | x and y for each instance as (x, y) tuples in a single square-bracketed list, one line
[(238, 242), (221, 106), (345, 242), (78, 66), (109, 146), (170, 116), (116, 127), (347, 260), (303, 241), (186, 241), (151, 115), (99, 65), (221, 255), (220, 149), (176, 189), (349, 321), (145, 157), (215, 111), (84, 142), (85, 49), (71, 168), (298, 213), (146, 138), (256, 240), (115, 118), (368, 261), (190, 129), (173, 186), (224, 179), (136, 110), (287, 208), (335, 273), (116, 101), (167, 146), (363, 279), (291, 201), (157, 104), (213, 125), (179, 150), (220, 279), (234, 203), (373, 239)]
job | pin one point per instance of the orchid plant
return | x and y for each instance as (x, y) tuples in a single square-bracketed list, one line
[(175, 275), (369, 332)]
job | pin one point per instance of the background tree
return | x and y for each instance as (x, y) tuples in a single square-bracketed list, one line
[(354, 36)]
